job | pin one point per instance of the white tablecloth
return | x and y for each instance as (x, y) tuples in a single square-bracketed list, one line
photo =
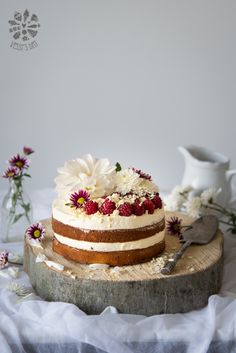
[(34, 325)]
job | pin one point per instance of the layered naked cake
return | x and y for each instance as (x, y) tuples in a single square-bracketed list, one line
[(107, 215)]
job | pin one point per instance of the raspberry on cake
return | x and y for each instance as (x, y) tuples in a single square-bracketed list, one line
[(106, 214), (157, 201), (107, 207), (138, 208), (125, 209), (90, 207)]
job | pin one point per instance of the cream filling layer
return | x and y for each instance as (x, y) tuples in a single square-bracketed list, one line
[(98, 221), (107, 247)]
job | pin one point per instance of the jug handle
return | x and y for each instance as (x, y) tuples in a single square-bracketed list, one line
[(229, 176)]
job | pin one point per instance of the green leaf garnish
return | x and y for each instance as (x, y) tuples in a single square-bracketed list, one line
[(118, 167)]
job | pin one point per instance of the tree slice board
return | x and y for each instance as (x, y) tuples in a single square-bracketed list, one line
[(139, 289)]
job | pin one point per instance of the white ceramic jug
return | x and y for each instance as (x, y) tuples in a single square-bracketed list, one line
[(205, 169)]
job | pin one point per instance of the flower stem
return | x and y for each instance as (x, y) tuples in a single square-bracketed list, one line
[(224, 222)]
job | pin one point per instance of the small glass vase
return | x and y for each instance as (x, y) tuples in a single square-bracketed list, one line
[(16, 213)]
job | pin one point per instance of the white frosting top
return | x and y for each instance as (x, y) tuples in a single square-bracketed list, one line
[(98, 221)]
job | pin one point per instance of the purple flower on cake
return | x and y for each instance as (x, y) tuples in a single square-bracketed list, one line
[(11, 172), (77, 199), (35, 231), (142, 174), (19, 162), (27, 150), (174, 226), (4, 258)]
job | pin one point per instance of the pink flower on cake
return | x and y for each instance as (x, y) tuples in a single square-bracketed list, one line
[(4, 258), (88, 173), (19, 162), (11, 172), (27, 150), (142, 174), (78, 199), (36, 232)]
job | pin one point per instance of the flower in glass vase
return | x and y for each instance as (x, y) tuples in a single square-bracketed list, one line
[(27, 150), (11, 172), (16, 210), (19, 162)]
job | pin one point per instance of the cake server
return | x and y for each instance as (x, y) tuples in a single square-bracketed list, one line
[(202, 231)]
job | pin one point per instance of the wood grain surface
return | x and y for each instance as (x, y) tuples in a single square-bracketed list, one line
[(137, 289)]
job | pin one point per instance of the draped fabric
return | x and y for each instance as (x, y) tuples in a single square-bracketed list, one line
[(34, 325)]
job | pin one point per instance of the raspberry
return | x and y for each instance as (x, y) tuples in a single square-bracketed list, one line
[(157, 201), (91, 207), (138, 208), (149, 206), (125, 209), (107, 207)]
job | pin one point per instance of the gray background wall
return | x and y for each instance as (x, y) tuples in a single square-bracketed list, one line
[(129, 80)]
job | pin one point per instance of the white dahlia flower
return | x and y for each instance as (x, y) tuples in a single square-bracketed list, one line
[(176, 199), (171, 203), (209, 196), (194, 207), (96, 176), (126, 180)]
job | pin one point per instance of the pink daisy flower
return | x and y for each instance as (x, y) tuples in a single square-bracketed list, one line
[(19, 162), (4, 258), (36, 231), (27, 150), (77, 199), (173, 226), (11, 172), (142, 174)]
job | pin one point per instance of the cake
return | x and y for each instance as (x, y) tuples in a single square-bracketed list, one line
[(105, 214)]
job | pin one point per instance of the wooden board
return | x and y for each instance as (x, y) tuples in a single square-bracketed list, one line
[(138, 289)]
